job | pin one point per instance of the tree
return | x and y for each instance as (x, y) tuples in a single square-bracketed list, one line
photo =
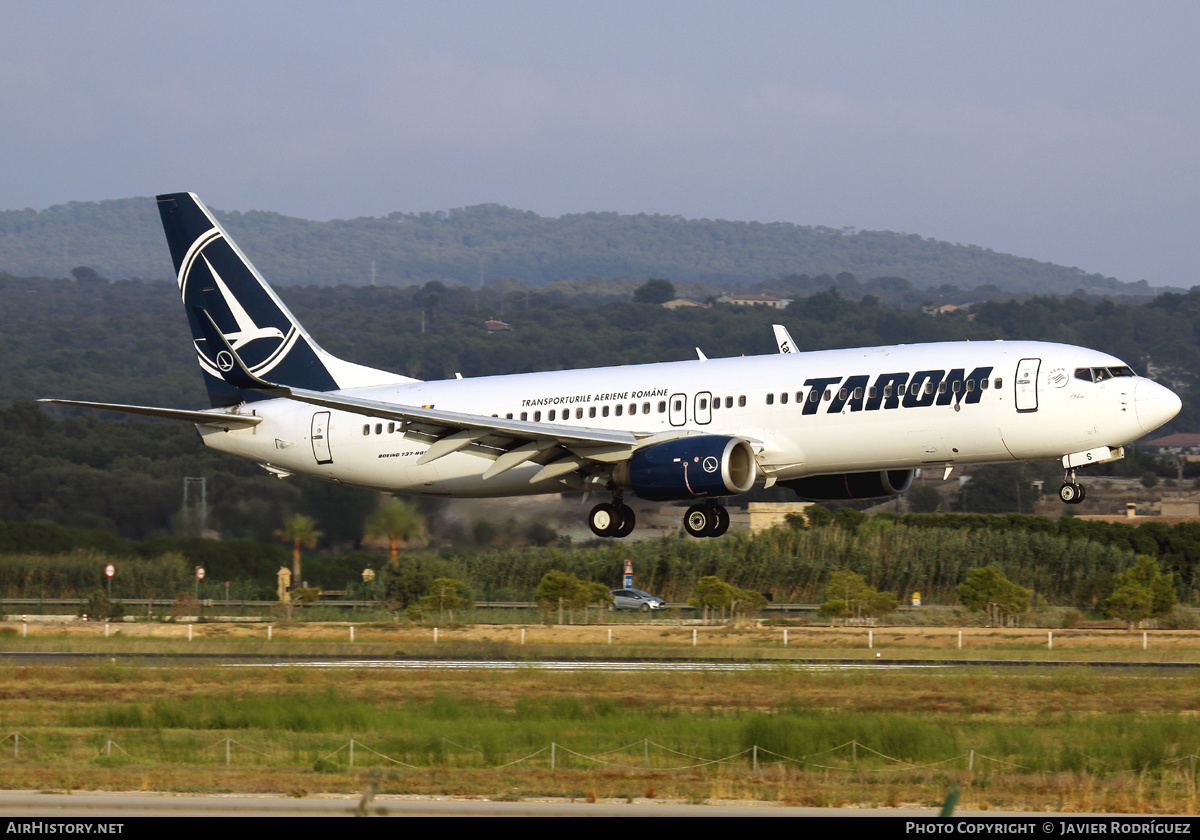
[(988, 590), (559, 589), (848, 594), (445, 596), (654, 290), (1000, 488), (1141, 592), (818, 516), (299, 530), (923, 499), (398, 521), (711, 593)]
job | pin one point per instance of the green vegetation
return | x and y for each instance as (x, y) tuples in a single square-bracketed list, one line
[(848, 595), (988, 590), (123, 238), (1068, 740), (1141, 592)]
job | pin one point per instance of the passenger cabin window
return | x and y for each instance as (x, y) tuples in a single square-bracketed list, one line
[(999, 382), (645, 408), (524, 415), (592, 411), (604, 411), (770, 399), (741, 402), (632, 409), (367, 429), (729, 402), (378, 428), (662, 406), (551, 417), (537, 417), (579, 414), (783, 398)]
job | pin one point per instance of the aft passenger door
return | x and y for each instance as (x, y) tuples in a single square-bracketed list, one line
[(1026, 384), (320, 438)]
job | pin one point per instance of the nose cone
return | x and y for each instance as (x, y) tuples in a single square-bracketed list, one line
[(1154, 404)]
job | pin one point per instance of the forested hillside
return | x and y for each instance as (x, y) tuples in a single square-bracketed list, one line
[(128, 341), (474, 245)]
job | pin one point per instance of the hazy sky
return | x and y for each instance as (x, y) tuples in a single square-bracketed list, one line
[(1063, 131)]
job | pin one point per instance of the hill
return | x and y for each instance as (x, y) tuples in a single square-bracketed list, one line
[(474, 245)]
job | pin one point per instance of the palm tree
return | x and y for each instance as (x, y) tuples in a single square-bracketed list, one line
[(302, 531), (398, 521)]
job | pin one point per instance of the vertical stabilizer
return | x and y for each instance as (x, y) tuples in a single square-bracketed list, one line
[(215, 276)]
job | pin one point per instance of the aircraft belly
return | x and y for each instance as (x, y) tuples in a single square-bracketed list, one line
[(898, 439)]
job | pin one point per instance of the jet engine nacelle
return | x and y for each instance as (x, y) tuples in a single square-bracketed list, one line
[(846, 486), (689, 468)]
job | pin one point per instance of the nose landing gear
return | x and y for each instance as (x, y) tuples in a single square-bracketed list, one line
[(1071, 492)]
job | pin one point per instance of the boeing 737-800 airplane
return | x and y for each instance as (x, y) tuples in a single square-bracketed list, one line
[(835, 424)]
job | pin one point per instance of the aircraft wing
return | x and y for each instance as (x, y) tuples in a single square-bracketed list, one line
[(218, 420), (560, 449)]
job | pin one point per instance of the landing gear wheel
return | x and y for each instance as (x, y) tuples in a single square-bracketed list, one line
[(698, 520), (628, 520), (604, 520), (1071, 493), (1082, 494), (722, 523)]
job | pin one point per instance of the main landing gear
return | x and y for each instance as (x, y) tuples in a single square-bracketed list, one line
[(616, 519), (706, 520), (1072, 492), (612, 520)]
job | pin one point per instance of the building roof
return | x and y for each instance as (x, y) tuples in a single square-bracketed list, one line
[(1180, 439)]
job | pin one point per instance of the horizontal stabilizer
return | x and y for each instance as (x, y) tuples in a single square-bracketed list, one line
[(215, 419)]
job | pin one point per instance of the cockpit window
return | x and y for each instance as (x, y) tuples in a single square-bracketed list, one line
[(1099, 374)]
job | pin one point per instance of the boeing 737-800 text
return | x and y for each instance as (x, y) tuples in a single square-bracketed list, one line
[(834, 424)]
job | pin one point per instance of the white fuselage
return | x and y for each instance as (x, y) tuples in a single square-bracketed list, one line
[(1003, 401)]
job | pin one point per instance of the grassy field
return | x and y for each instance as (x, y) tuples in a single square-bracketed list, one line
[(1069, 738)]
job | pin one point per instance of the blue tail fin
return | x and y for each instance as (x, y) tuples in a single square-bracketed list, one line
[(214, 276)]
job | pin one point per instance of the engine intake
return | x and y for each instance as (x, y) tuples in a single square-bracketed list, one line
[(690, 468), (846, 486)]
